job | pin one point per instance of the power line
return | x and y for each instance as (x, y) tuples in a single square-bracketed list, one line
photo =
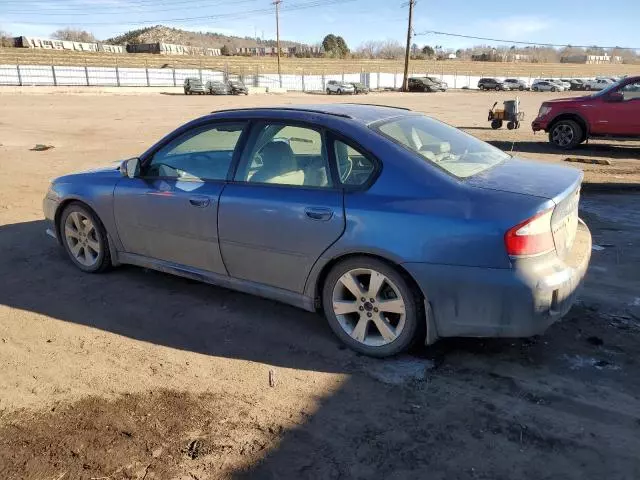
[(227, 16), (539, 44)]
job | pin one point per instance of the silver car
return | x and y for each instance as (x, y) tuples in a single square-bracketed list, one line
[(546, 86), (335, 86)]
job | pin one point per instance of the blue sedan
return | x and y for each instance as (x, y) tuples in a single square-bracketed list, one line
[(399, 228)]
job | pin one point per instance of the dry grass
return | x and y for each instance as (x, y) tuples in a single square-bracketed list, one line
[(248, 65)]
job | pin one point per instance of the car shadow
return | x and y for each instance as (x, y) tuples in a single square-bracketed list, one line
[(366, 428), (592, 149), (160, 308)]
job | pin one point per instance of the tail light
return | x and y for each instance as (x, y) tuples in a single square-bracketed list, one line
[(531, 237)]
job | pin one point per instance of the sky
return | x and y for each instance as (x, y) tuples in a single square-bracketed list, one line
[(308, 21)]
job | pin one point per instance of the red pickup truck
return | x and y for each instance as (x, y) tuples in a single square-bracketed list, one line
[(612, 112)]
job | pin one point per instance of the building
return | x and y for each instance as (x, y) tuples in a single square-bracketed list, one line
[(591, 59)]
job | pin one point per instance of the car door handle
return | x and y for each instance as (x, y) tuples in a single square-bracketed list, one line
[(322, 214), (200, 201)]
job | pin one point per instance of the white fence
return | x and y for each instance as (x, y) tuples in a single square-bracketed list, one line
[(168, 77)]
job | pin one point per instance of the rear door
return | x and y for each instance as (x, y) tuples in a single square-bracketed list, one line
[(283, 210), (170, 212)]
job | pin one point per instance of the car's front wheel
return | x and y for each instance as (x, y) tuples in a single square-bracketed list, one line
[(565, 134), (84, 238), (372, 307)]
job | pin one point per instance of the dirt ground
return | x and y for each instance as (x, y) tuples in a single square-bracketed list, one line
[(140, 375)]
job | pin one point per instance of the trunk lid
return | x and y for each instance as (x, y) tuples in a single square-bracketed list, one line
[(549, 182)]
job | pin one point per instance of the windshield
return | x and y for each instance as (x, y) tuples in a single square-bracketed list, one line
[(456, 152)]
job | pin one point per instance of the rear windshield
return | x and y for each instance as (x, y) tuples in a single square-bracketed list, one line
[(454, 151)]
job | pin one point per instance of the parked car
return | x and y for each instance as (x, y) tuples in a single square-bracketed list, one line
[(576, 84), (491, 84), (360, 88), (598, 84), (516, 84), (193, 85), (612, 112), (443, 86), (236, 87), (217, 88), (546, 86), (409, 230), (335, 86), (422, 84)]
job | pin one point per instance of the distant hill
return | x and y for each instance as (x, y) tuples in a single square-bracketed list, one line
[(160, 33)]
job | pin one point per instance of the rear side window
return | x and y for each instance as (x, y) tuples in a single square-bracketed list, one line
[(354, 167)]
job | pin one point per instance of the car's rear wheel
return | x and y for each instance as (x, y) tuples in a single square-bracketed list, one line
[(339, 92), (328, 92), (588, 87), (565, 134), (521, 88), (84, 238), (497, 87), (481, 87), (372, 307), (553, 89)]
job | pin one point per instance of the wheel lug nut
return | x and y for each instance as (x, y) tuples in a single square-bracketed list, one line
[(361, 308), (375, 309), (369, 314), (372, 300), (363, 299)]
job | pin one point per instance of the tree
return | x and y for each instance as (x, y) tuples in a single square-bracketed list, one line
[(6, 40), (335, 46), (428, 51), (73, 35)]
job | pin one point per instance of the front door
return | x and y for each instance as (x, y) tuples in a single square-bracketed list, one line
[(283, 209), (170, 212), (624, 116)]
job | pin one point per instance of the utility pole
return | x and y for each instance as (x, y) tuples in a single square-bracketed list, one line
[(408, 52), (277, 4)]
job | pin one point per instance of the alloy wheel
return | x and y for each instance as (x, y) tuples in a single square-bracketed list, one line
[(369, 307), (81, 236), (562, 135)]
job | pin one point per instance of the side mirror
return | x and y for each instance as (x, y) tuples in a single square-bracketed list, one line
[(615, 97), (130, 168)]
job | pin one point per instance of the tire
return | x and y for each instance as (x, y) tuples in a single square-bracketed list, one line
[(497, 88), (587, 87), (339, 92), (565, 134), (481, 87), (394, 285), (75, 215), (553, 89), (496, 124), (521, 88), (328, 92), (535, 89), (511, 125)]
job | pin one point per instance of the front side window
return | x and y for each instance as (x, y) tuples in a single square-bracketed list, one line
[(285, 155), (204, 153), (457, 152), (631, 91)]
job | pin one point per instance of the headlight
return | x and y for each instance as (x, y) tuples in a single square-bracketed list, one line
[(544, 110)]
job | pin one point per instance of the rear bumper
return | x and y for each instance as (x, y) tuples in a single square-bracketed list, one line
[(518, 302)]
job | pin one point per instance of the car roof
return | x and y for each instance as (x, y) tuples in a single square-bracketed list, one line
[(360, 112)]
